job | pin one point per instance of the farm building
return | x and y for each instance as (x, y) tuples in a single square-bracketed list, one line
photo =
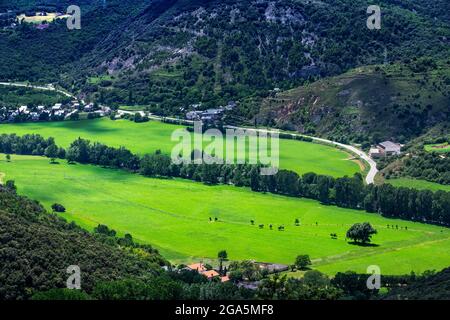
[(374, 153), (200, 267), (389, 148), (386, 148), (210, 274)]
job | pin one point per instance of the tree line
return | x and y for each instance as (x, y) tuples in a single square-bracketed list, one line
[(346, 192)]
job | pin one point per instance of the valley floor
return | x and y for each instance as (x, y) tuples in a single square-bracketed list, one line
[(173, 215), (148, 137)]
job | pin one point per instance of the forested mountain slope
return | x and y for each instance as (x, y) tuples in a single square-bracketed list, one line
[(36, 248), (367, 104), (173, 53)]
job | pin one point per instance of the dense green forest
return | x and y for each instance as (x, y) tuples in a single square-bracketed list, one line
[(433, 287)]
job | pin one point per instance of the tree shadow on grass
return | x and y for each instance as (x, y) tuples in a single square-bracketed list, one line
[(360, 244)]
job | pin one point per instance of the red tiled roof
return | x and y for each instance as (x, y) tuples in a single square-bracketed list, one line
[(197, 266), (210, 274)]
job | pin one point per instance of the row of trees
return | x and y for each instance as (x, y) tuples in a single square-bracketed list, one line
[(83, 151), (347, 192), (29, 144)]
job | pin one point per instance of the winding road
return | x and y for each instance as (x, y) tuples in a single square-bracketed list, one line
[(370, 178), (48, 87)]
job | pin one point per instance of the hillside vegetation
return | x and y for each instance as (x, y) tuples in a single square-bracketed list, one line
[(368, 104), (425, 158), (19, 96), (434, 287), (38, 247), (169, 54)]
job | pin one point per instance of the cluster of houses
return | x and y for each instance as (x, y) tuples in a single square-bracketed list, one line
[(385, 149), (210, 274), (56, 112), (209, 115)]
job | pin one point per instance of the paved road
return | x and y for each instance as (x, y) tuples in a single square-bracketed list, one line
[(369, 178), (359, 153), (373, 166), (48, 87)]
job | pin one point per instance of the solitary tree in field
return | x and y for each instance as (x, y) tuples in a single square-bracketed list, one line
[(297, 222), (10, 185), (51, 152), (58, 207), (223, 256), (361, 232), (71, 155), (8, 158), (302, 261)]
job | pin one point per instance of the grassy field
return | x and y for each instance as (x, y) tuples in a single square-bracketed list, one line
[(418, 184), (40, 19), (147, 137), (173, 215), (98, 79), (442, 147)]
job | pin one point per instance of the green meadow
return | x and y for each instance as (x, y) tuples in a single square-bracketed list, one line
[(418, 184), (441, 147), (173, 216), (150, 136)]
